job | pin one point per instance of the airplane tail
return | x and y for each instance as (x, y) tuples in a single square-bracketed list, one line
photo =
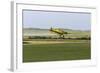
[(51, 28), (66, 33)]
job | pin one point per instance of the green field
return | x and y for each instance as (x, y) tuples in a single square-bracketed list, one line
[(67, 50), (53, 48)]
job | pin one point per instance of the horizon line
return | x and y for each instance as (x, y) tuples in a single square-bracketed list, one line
[(59, 28)]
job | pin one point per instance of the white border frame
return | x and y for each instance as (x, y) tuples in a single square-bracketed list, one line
[(16, 51)]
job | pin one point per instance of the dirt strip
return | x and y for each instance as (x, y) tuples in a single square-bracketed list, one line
[(52, 42)]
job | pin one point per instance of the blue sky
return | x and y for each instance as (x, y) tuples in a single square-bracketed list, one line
[(48, 19)]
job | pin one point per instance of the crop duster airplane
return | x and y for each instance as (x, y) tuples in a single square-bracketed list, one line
[(60, 32)]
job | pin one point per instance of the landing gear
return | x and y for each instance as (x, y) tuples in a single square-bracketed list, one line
[(62, 36)]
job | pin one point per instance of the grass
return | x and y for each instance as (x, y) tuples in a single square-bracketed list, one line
[(56, 52)]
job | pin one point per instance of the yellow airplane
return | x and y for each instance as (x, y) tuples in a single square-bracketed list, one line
[(60, 32)]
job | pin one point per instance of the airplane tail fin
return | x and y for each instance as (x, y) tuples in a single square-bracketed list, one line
[(50, 28)]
